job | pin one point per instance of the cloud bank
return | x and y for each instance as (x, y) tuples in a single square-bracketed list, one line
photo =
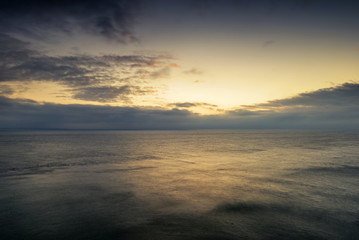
[(331, 108)]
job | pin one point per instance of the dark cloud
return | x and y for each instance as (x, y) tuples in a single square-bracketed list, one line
[(4, 101), (140, 61), (109, 93), (84, 74), (13, 50), (206, 5), (6, 90), (115, 19), (50, 69), (76, 70), (183, 105), (343, 95), (247, 113), (17, 113), (101, 94), (19, 62), (112, 19), (191, 104), (27, 114)]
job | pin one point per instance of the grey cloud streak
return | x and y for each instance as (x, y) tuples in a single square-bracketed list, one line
[(108, 93), (72, 71), (6, 90), (27, 114), (193, 71), (191, 104), (161, 73)]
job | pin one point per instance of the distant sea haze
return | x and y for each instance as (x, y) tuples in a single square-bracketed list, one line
[(193, 184)]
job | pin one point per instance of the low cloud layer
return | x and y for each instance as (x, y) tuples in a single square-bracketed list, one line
[(345, 95), (282, 114)]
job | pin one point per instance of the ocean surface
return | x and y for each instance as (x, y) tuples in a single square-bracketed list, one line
[(208, 184)]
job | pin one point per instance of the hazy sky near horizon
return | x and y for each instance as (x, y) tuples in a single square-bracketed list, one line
[(197, 56)]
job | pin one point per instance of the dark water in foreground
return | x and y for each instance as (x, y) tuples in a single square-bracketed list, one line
[(179, 185)]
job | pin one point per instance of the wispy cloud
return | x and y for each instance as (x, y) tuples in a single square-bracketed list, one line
[(193, 71), (161, 73), (268, 43)]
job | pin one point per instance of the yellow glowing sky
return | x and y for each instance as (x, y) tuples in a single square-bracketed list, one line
[(212, 62), (240, 73)]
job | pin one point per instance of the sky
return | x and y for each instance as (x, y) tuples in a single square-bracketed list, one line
[(189, 64)]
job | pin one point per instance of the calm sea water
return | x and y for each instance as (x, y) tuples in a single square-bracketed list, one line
[(179, 185)]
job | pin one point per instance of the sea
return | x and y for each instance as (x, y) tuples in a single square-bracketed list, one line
[(187, 184)]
